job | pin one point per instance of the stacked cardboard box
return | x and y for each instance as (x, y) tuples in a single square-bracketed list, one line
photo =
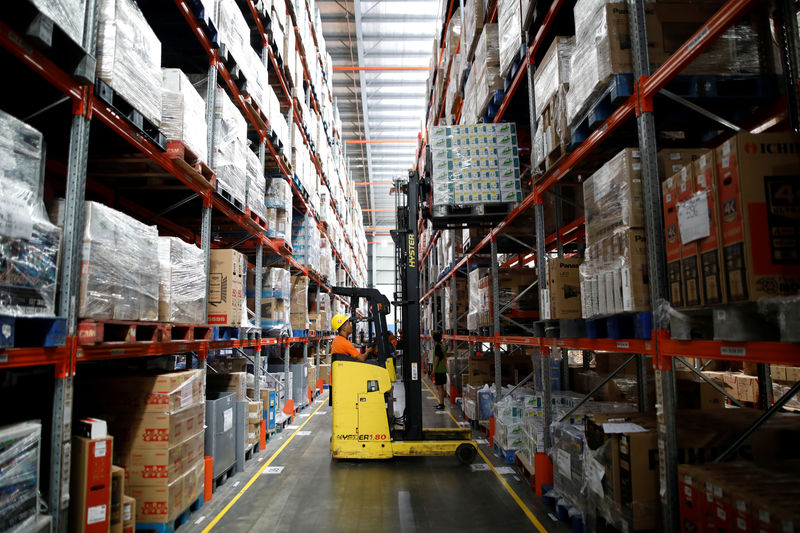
[(561, 298), (614, 277), (626, 450), (226, 287), (255, 414), (738, 497), (157, 421), (233, 382), (119, 266), (299, 302), (484, 76)]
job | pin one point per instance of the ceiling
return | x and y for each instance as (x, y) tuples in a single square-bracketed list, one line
[(379, 105)]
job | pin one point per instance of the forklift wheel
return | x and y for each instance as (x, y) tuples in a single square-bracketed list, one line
[(466, 453)]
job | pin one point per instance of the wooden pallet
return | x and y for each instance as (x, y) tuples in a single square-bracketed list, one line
[(175, 523), (184, 157), (255, 217), (182, 332), (115, 331)]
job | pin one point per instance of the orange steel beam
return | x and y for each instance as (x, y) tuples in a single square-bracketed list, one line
[(378, 69), (381, 141)]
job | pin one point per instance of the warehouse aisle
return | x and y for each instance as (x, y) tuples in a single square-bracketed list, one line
[(303, 490)]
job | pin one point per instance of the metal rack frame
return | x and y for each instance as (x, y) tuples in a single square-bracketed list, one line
[(85, 108), (660, 349)]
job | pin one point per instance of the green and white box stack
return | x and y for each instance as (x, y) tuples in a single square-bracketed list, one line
[(475, 164)]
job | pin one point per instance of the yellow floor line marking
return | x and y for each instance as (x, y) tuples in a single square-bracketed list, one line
[(503, 482), (260, 471)]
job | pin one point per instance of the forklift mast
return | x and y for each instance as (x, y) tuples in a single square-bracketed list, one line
[(406, 240)]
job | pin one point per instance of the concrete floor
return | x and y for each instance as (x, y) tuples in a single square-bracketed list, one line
[(303, 490)]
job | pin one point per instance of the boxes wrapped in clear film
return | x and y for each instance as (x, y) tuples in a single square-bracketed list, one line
[(475, 164), (230, 143), (183, 112), (182, 282), (551, 84), (602, 44), (306, 242), (275, 297), (129, 56), (299, 302), (67, 14), (256, 185), (509, 22), (19, 477), (29, 243), (119, 267)]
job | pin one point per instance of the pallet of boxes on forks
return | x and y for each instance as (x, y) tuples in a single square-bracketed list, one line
[(158, 425)]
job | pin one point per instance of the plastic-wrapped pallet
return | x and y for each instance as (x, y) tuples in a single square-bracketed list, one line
[(233, 31), (473, 25), (279, 224), (509, 24), (67, 14), (19, 478), (551, 82), (275, 298), (182, 282), (299, 302), (129, 56), (486, 68), (256, 185), (230, 143), (183, 112), (119, 267), (29, 243), (278, 193)]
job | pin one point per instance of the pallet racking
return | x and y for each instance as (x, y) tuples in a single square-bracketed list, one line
[(660, 350), (87, 109)]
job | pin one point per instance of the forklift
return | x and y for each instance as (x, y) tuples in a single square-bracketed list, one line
[(364, 422)]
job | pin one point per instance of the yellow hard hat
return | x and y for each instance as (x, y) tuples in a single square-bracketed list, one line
[(337, 321)]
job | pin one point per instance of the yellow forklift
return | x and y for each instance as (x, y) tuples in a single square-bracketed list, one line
[(364, 422)]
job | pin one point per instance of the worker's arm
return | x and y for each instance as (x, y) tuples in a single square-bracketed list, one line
[(362, 357)]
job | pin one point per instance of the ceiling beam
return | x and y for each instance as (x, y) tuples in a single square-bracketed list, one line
[(387, 18), (351, 68), (400, 37)]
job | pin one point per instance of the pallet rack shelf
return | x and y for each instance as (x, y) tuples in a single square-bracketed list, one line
[(661, 349), (88, 107)]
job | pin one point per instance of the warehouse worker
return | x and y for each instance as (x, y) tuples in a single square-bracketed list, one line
[(439, 367), (341, 347)]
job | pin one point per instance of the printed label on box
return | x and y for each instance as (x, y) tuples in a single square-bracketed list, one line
[(96, 514), (227, 419), (100, 449)]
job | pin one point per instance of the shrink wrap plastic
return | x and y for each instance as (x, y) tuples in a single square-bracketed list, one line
[(473, 25), (183, 112), (550, 89), (119, 267), (613, 196), (275, 297), (306, 242), (475, 164), (182, 282), (129, 56), (67, 14), (614, 276), (278, 193), (509, 22), (19, 479), (299, 302), (29, 243), (256, 184), (230, 141), (602, 44)]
